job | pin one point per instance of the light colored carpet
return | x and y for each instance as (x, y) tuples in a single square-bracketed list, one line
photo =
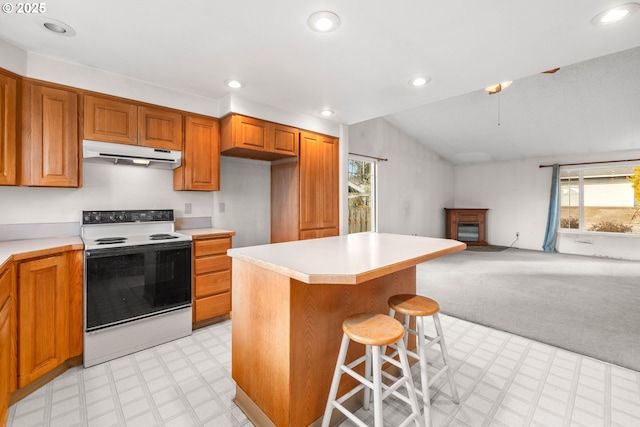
[(587, 305)]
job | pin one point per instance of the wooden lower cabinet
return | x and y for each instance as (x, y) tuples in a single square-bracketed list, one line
[(211, 279), (7, 339), (50, 313)]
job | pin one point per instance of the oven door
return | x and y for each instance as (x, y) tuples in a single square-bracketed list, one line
[(132, 282)]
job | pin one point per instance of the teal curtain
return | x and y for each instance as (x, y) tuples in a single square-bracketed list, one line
[(551, 233)]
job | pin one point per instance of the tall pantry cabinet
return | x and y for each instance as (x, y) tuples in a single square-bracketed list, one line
[(304, 193)]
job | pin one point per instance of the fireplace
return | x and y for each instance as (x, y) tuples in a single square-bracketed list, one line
[(467, 225)]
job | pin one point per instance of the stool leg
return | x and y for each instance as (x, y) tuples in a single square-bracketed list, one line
[(424, 374), (377, 387), (333, 392), (406, 372), (367, 375), (445, 358)]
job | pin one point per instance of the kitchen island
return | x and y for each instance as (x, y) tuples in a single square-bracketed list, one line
[(288, 304)]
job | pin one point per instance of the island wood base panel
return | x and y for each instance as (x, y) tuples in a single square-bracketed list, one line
[(286, 335)]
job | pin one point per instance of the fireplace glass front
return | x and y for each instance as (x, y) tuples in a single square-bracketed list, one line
[(469, 232)]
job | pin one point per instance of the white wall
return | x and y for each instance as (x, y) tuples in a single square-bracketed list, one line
[(414, 185), (517, 195), (105, 187), (245, 193), (14, 59)]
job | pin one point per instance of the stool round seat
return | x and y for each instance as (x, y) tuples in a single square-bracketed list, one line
[(413, 305), (373, 329)]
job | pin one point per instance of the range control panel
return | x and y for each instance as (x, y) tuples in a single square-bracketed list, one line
[(111, 217)]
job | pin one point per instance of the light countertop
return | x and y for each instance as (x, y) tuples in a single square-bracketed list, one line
[(206, 232), (27, 248), (347, 259)]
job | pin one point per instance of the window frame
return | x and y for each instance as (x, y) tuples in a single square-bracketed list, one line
[(581, 196), (374, 191)]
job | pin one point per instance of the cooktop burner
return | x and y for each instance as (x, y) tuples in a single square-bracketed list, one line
[(162, 236), (111, 239)]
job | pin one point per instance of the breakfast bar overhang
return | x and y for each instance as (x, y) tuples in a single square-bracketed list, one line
[(288, 304)]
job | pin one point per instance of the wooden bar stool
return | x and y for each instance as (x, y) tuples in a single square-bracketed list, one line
[(374, 331), (421, 307)]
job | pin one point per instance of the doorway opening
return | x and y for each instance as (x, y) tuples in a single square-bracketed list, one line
[(362, 195)]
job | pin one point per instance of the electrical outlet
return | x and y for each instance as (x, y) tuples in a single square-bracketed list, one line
[(221, 207), (517, 234), (187, 208)]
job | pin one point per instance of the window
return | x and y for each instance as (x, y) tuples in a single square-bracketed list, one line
[(362, 195), (601, 199)]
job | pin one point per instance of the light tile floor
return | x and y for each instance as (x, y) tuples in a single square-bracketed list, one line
[(503, 380)]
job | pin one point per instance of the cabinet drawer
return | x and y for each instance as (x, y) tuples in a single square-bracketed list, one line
[(212, 283), (208, 307), (213, 246), (212, 263)]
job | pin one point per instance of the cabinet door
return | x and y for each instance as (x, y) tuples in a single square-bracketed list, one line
[(8, 123), (200, 169), (110, 121), (6, 355), (318, 181), (318, 232), (51, 144), (310, 183), (159, 128), (8, 349), (328, 182), (251, 133), (284, 139), (43, 316)]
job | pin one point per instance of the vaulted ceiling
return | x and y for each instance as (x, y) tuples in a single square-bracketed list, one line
[(361, 70)]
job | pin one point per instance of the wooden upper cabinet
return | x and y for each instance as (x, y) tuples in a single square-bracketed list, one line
[(253, 138), (123, 122), (200, 169), (318, 181), (284, 139), (110, 120), (50, 143), (8, 125), (159, 128), (250, 133)]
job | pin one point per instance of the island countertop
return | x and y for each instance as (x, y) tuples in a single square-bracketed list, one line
[(347, 259)]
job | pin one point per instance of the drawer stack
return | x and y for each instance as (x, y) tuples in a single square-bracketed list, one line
[(212, 278)]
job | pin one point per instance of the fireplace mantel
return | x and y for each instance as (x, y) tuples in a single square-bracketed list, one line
[(467, 225)]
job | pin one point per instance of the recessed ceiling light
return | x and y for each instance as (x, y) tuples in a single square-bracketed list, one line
[(56, 27), (327, 113), (615, 14), (419, 81), (323, 22), (234, 84)]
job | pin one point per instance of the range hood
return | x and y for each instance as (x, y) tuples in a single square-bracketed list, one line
[(123, 154)]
